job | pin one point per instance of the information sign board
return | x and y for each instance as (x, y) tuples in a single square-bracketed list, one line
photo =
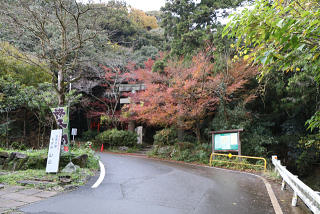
[(54, 151), (226, 141)]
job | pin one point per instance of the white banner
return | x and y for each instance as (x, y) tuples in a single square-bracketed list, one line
[(54, 151)]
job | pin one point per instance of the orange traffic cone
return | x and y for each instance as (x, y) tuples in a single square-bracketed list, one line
[(102, 148)]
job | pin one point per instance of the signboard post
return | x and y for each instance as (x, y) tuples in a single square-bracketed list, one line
[(54, 151), (226, 141), (73, 133)]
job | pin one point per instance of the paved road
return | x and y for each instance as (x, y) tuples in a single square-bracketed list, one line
[(143, 186)]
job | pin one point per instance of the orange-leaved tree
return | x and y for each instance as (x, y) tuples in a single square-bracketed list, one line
[(183, 94)]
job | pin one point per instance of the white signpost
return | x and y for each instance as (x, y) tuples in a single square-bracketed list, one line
[(54, 151), (73, 133)]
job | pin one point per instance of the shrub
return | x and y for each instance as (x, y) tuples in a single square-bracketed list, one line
[(166, 136), (202, 156), (18, 146), (116, 137), (89, 135), (309, 148), (185, 145), (187, 137)]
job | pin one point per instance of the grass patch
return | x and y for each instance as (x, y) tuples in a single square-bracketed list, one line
[(30, 152), (200, 154), (49, 180), (93, 159), (272, 175), (237, 164)]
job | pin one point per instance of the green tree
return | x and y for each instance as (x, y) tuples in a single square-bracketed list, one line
[(188, 24), (282, 36), (131, 29), (143, 20), (21, 71), (13, 95), (57, 33)]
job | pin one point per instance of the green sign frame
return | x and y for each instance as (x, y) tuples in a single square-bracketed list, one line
[(226, 141)]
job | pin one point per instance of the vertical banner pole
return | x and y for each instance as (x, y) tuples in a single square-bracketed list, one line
[(61, 115), (69, 149), (239, 144), (213, 143)]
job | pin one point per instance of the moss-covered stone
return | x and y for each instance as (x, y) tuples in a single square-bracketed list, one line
[(35, 162), (8, 165), (81, 160), (4, 154), (2, 160), (65, 159), (18, 161)]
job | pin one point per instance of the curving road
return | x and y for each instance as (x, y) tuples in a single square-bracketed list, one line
[(142, 186)]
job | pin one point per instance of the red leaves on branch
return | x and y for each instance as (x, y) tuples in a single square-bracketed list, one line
[(183, 95)]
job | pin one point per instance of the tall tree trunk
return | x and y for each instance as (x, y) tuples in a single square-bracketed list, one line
[(61, 89), (7, 130), (24, 126), (43, 136), (39, 133), (198, 132), (180, 131), (131, 126)]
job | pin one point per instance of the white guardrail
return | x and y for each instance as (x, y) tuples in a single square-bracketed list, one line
[(301, 190)]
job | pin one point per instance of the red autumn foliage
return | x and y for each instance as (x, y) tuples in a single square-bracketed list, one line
[(183, 95), (107, 104)]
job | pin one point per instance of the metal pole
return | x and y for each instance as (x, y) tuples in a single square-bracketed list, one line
[(294, 199), (239, 144), (283, 185)]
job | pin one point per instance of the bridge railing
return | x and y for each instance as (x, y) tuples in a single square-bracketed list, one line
[(301, 190)]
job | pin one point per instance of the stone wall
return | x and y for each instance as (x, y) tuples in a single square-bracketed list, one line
[(17, 161)]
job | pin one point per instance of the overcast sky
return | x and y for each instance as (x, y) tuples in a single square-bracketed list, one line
[(145, 5)]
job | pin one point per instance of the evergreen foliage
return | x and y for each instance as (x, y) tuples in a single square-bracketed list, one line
[(188, 24), (114, 137)]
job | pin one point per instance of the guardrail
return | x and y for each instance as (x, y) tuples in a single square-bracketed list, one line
[(301, 190), (238, 162)]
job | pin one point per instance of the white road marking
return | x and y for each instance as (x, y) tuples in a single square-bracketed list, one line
[(101, 177), (273, 198), (275, 204)]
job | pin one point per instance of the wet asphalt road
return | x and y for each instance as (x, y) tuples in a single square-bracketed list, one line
[(142, 186)]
